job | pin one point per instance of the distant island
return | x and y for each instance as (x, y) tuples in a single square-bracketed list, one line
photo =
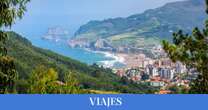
[(56, 34)]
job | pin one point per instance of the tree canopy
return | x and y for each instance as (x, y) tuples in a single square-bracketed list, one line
[(10, 10), (192, 50)]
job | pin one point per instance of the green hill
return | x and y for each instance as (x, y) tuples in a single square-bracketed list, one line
[(27, 57), (147, 29)]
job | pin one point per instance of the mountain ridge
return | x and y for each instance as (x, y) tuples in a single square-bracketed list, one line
[(139, 30)]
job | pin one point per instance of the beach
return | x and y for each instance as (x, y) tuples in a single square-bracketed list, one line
[(115, 61), (120, 60)]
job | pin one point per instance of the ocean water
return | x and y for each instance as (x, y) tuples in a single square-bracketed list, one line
[(89, 57), (74, 53)]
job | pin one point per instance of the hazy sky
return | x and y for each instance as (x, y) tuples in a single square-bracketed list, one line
[(70, 14)]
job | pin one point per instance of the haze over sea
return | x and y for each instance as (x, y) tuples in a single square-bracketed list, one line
[(71, 14)]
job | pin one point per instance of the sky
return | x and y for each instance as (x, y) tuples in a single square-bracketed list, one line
[(71, 14)]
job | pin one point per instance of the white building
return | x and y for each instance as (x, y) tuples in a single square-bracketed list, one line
[(167, 73), (180, 68), (151, 70)]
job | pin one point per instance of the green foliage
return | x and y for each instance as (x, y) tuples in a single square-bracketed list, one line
[(41, 78), (71, 84), (22, 86), (3, 37), (192, 50), (7, 74), (45, 81), (10, 10), (179, 89)]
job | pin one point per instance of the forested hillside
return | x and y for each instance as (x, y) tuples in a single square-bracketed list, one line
[(28, 57)]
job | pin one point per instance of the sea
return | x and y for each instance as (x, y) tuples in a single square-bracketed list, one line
[(104, 59)]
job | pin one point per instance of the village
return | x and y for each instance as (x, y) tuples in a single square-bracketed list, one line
[(160, 72)]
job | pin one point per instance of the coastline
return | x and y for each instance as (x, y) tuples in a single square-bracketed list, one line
[(117, 58), (128, 60)]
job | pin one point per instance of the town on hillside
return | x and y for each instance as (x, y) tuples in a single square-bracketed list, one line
[(158, 72)]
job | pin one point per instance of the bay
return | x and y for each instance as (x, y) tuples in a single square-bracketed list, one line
[(62, 48)]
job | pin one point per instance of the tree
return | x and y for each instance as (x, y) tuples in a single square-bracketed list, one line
[(71, 84), (45, 81), (192, 50), (7, 74), (42, 80), (10, 10)]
